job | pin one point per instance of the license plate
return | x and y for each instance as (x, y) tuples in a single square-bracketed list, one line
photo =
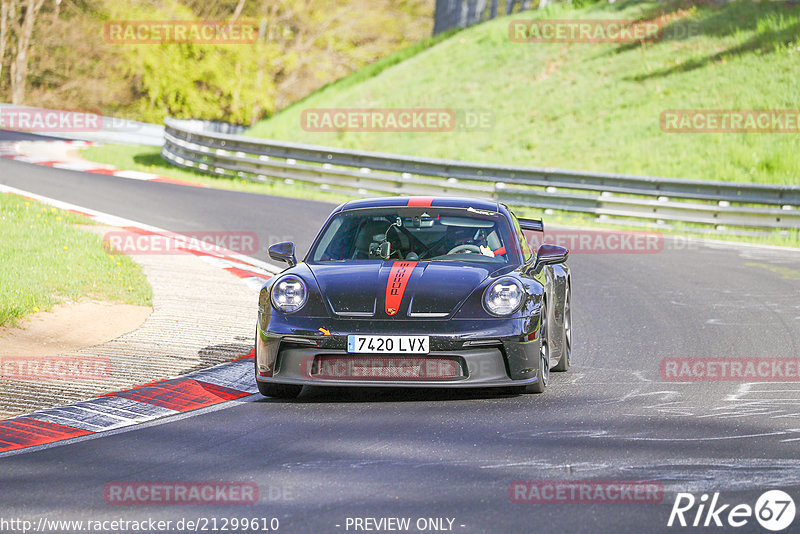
[(388, 344)]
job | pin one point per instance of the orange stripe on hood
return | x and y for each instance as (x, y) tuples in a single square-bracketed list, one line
[(396, 285)]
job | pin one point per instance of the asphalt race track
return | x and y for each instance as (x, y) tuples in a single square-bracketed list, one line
[(338, 454)]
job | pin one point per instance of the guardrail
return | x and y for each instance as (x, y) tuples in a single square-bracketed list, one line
[(451, 14), (188, 144), (113, 130)]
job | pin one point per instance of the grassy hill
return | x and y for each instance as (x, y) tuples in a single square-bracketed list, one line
[(591, 106)]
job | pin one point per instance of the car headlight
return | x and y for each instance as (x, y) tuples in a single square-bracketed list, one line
[(289, 294), (503, 297)]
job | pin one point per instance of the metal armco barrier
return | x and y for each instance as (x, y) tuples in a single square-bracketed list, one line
[(189, 144), (451, 14), (114, 130)]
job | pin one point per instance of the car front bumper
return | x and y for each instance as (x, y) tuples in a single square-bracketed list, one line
[(490, 353)]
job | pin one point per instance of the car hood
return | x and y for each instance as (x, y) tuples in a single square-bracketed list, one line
[(399, 289)]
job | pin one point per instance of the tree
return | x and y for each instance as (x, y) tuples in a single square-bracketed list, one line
[(18, 21), (68, 61), (5, 16)]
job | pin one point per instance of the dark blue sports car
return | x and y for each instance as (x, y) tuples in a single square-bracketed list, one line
[(419, 291)]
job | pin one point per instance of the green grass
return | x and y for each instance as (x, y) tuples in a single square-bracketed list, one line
[(46, 259), (372, 70), (591, 106)]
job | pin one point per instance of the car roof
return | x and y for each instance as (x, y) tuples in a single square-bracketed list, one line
[(436, 202)]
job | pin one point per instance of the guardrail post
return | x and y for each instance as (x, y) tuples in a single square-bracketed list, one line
[(625, 197)]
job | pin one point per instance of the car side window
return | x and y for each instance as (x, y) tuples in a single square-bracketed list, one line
[(523, 243)]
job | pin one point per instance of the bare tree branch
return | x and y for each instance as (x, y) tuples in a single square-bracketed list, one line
[(19, 67), (238, 10), (5, 13)]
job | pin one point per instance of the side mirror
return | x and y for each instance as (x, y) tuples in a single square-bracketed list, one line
[(549, 255), (283, 252)]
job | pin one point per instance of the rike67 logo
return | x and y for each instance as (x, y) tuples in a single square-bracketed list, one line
[(774, 511)]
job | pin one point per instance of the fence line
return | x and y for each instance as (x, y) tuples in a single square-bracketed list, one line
[(607, 195), (451, 14)]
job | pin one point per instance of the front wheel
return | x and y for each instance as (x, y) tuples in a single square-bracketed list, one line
[(544, 360), (269, 389), (566, 351), (279, 391)]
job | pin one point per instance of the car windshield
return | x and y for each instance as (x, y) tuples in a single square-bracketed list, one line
[(430, 234)]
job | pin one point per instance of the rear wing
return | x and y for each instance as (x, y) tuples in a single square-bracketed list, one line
[(531, 224)]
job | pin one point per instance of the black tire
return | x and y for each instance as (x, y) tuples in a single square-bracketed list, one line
[(279, 391), (544, 359), (566, 355)]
